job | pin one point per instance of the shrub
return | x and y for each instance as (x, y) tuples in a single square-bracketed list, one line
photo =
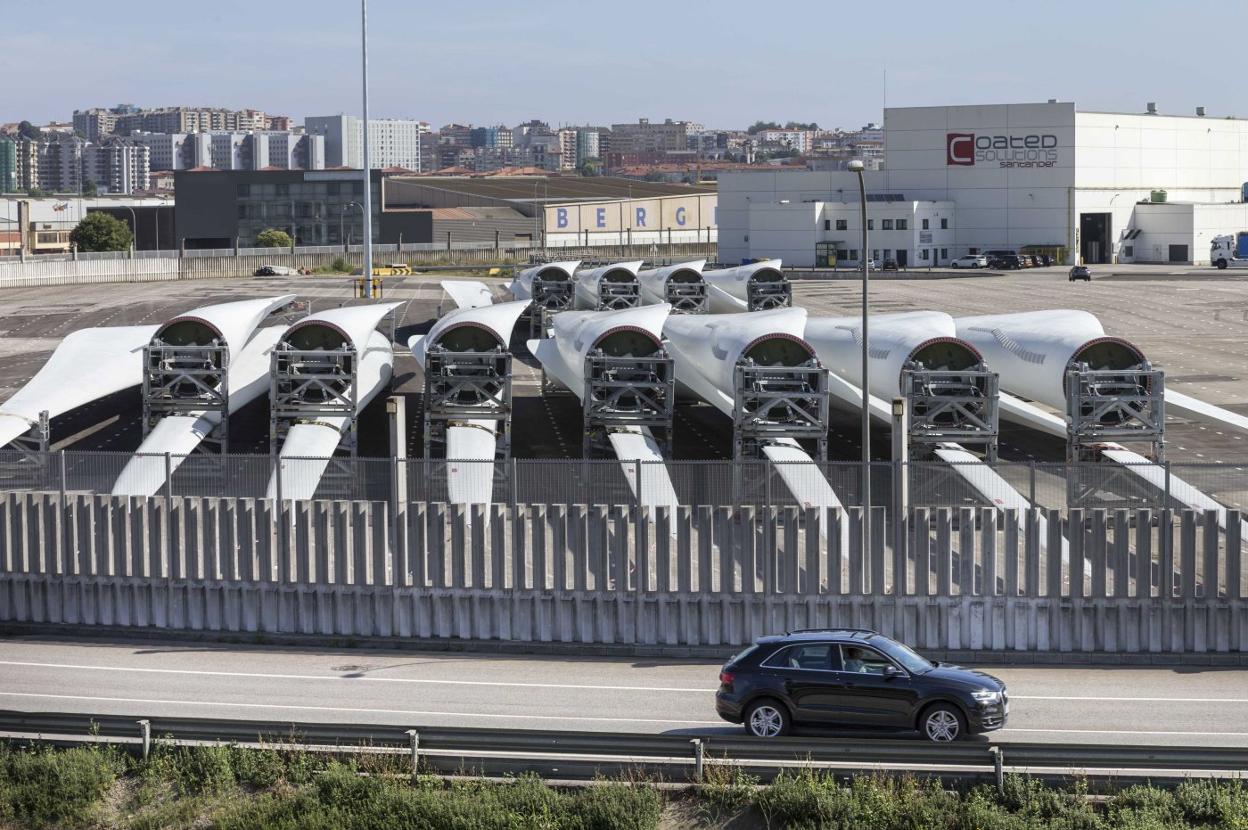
[(273, 238), (44, 787)]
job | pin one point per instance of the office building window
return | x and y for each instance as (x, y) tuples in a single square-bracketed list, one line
[(842, 225), (925, 253), (870, 224), (886, 224), (901, 224), (827, 224), (944, 224), (944, 253), (925, 226)]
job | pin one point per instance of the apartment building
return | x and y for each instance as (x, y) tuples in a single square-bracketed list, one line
[(117, 166), (393, 142)]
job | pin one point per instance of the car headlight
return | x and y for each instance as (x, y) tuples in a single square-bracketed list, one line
[(986, 695)]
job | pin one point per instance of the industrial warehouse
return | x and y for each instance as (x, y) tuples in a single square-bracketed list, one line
[(225, 209), (1086, 187)]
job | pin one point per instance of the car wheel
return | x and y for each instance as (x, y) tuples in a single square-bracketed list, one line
[(1221, 264), (767, 719), (942, 723)]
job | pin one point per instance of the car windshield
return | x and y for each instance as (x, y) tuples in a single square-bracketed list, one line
[(911, 661)]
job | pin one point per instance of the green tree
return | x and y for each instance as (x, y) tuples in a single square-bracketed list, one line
[(28, 130), (590, 167), (90, 189), (101, 232), (273, 238), (36, 192), (762, 125)]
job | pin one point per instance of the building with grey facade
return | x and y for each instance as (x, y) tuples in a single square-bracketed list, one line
[(221, 209)]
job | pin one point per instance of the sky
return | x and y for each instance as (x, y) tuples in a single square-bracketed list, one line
[(723, 64)]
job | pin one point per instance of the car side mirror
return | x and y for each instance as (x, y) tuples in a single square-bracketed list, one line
[(892, 671)]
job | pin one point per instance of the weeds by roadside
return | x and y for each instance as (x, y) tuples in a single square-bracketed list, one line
[(231, 788)]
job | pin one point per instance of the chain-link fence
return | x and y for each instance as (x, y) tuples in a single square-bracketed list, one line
[(605, 481)]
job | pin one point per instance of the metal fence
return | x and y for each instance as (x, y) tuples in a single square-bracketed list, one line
[(598, 481)]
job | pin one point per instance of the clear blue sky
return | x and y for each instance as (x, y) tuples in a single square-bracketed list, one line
[(724, 64)]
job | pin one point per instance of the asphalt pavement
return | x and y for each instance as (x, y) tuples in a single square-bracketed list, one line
[(1108, 705)]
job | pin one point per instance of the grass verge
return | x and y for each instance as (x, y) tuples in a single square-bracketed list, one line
[(245, 789)]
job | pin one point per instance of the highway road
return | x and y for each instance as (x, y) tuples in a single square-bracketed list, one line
[(1110, 705)]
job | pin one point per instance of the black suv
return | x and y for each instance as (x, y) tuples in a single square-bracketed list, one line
[(854, 677)]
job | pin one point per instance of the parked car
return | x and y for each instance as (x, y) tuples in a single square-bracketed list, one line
[(855, 678), (1005, 262), (889, 265), (970, 261), (1080, 272)]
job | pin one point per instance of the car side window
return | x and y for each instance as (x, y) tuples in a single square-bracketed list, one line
[(863, 660), (810, 656)]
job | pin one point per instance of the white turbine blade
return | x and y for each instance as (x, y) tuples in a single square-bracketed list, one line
[(1019, 411), (179, 435), (995, 489), (1182, 492), (720, 301), (1188, 405), (308, 447), (235, 321), (88, 364), (306, 453), (807, 484), (852, 395), (468, 293), (470, 450), (635, 445)]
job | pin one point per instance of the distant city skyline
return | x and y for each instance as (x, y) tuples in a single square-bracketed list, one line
[(723, 65)]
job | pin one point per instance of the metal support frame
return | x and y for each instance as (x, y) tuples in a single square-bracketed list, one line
[(772, 402), (1111, 405), (181, 380), (312, 384), (952, 405), (761, 295), (36, 441), (628, 392), (549, 298), (613, 296), (686, 297), (1120, 405), (463, 386)]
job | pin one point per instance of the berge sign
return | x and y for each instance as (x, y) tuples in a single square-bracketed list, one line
[(1031, 150)]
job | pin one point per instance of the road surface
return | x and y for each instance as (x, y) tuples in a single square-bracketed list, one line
[(1157, 705)]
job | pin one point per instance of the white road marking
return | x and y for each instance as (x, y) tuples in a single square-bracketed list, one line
[(267, 676), (1014, 697), (415, 712), (575, 686), (1118, 732)]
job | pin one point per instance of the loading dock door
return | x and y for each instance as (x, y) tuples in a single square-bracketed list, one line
[(1094, 236), (1178, 253), (902, 256)]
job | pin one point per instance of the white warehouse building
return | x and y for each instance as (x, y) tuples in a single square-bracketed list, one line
[(1091, 186)]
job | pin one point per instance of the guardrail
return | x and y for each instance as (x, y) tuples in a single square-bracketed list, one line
[(586, 755)]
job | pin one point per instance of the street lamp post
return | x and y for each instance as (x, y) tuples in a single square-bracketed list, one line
[(367, 208), (341, 214), (865, 259), (134, 225)]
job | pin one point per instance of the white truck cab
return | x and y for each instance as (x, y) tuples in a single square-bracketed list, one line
[(1222, 252)]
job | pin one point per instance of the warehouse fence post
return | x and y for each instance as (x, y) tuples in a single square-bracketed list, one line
[(998, 768), (698, 758)]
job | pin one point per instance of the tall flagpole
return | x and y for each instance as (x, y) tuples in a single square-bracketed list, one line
[(368, 173)]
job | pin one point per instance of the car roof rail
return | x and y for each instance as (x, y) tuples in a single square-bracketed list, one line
[(822, 629)]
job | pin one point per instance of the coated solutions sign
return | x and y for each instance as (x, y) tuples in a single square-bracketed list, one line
[(1031, 150)]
